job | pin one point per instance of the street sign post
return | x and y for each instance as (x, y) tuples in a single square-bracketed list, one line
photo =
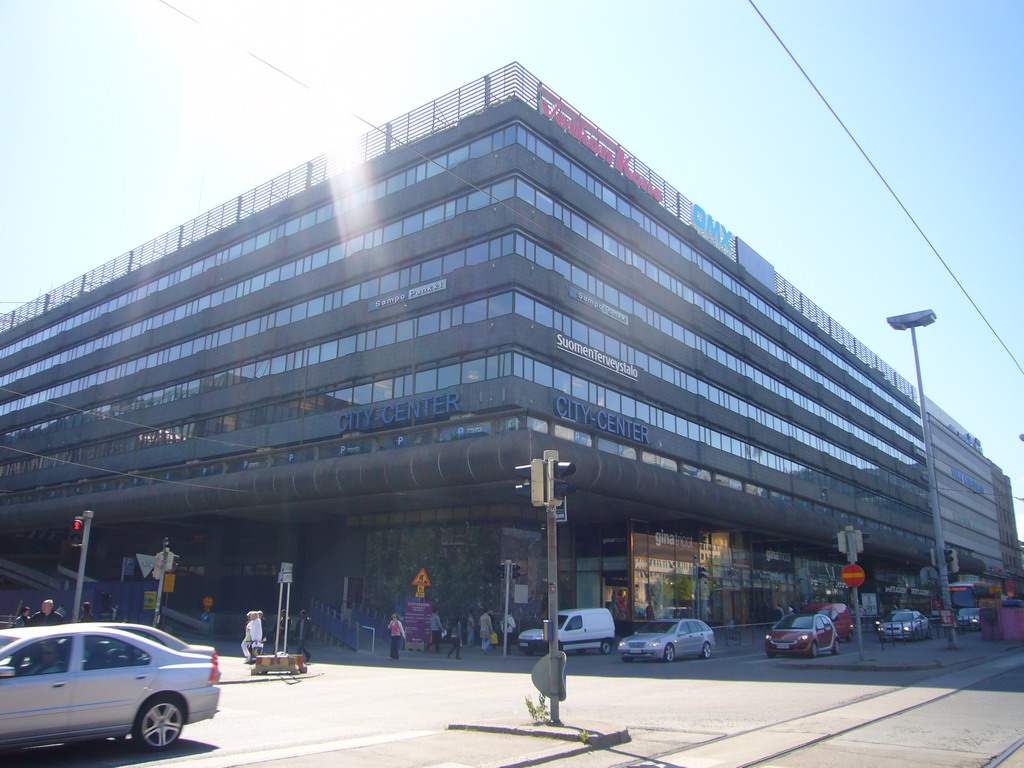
[(851, 541), (284, 576)]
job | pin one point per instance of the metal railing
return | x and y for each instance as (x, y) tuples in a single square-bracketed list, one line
[(740, 636), (512, 81), (350, 628)]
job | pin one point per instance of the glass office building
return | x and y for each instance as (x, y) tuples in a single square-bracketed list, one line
[(341, 369)]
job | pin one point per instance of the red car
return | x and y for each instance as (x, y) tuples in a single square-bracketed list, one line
[(804, 634), (840, 615)]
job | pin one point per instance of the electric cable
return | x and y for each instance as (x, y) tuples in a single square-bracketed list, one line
[(892, 192)]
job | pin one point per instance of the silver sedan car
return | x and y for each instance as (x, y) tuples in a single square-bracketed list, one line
[(81, 681), (665, 639)]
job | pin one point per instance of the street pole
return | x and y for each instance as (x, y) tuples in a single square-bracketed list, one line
[(87, 515), (696, 587), (851, 556), (160, 568), (940, 542), (504, 617), (550, 457)]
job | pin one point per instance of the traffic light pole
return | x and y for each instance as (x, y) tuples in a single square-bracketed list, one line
[(550, 457), (87, 515)]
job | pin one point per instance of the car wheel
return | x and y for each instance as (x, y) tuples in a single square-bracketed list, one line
[(627, 659), (670, 653), (606, 647), (158, 723), (813, 653), (705, 650)]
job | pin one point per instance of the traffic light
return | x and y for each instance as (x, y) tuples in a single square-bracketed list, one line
[(501, 570), (533, 485), (515, 570), (702, 572), (952, 560), (559, 488), (77, 532)]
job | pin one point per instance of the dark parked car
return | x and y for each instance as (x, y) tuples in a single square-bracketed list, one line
[(804, 634), (969, 620)]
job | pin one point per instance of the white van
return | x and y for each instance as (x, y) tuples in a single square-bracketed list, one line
[(578, 629)]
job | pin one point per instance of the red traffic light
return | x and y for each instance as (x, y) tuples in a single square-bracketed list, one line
[(77, 532)]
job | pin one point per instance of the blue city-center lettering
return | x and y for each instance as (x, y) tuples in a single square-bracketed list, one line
[(606, 421), (399, 413)]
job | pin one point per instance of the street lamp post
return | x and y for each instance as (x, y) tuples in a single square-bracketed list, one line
[(913, 321)]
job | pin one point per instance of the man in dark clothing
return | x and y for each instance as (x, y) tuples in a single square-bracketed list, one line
[(46, 617), (303, 628)]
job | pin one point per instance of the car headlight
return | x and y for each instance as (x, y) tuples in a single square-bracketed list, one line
[(654, 644), (906, 627), (805, 637), (623, 645), (767, 637)]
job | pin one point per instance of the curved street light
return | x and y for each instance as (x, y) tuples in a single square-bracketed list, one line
[(913, 321)]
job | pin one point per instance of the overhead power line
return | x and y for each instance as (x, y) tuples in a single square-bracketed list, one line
[(892, 192)]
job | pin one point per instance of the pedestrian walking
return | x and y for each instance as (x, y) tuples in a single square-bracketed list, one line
[(250, 617), (486, 630), (435, 632), (257, 634), (455, 636), (303, 628), (397, 632), (86, 614), (24, 617), (46, 616), (508, 627), (470, 623)]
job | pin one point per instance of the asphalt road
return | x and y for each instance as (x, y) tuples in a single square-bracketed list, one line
[(739, 708)]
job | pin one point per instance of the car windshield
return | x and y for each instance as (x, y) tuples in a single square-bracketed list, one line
[(796, 621), (6, 640), (656, 628), (900, 616)]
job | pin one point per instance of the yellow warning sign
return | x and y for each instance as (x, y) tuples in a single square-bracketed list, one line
[(421, 591), (421, 580)]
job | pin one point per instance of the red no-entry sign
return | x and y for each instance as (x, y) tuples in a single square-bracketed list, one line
[(853, 575)]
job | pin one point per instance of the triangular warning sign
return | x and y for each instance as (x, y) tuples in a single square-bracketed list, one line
[(421, 579)]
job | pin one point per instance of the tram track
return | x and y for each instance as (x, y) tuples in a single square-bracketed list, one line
[(762, 745)]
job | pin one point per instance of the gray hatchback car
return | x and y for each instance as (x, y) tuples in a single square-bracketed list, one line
[(82, 681)]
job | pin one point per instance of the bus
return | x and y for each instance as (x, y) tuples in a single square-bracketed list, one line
[(968, 594)]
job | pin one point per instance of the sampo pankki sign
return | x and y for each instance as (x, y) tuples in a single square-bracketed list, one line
[(594, 139)]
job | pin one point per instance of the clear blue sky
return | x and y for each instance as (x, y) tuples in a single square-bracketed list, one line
[(123, 119)]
